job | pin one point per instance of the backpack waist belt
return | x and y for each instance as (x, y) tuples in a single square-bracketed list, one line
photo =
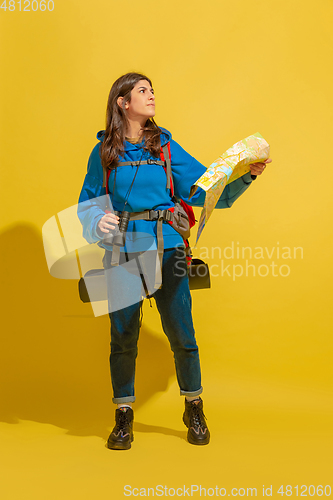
[(179, 220)]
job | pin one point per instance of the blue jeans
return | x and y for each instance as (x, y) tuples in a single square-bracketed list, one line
[(174, 304)]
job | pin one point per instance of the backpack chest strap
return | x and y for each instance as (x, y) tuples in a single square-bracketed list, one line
[(149, 161), (165, 162)]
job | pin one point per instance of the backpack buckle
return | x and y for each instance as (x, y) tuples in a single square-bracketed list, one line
[(167, 215)]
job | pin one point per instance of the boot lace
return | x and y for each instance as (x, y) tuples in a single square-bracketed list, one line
[(198, 416), (122, 421)]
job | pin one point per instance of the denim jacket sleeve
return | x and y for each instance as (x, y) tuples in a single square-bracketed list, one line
[(186, 170), (92, 200)]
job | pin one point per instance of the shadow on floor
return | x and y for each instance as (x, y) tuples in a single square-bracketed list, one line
[(139, 427), (54, 365)]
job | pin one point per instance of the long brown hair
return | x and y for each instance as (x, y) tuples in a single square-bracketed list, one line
[(117, 122)]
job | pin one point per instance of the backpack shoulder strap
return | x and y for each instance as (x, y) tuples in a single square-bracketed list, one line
[(106, 176), (104, 179), (166, 156)]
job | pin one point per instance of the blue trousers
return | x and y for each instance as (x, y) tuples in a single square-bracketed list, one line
[(174, 304)]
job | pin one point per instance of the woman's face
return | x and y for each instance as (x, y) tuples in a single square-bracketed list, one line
[(142, 104)]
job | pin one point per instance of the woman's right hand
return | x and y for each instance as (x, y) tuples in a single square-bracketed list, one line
[(105, 223)]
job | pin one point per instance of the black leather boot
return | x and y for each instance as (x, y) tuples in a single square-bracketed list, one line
[(194, 419), (122, 433)]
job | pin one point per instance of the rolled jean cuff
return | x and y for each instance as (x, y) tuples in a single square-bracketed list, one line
[(125, 399), (191, 394)]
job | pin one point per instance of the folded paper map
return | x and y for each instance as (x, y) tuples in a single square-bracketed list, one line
[(234, 163)]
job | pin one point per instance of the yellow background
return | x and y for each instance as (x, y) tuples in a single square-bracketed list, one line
[(221, 71)]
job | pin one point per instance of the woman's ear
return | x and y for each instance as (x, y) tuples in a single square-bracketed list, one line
[(120, 102)]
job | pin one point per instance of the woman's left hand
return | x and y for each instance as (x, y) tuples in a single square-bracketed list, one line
[(259, 167)]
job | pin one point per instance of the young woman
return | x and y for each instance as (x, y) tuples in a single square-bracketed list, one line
[(127, 163)]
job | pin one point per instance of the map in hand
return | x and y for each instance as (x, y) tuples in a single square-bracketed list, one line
[(231, 165)]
